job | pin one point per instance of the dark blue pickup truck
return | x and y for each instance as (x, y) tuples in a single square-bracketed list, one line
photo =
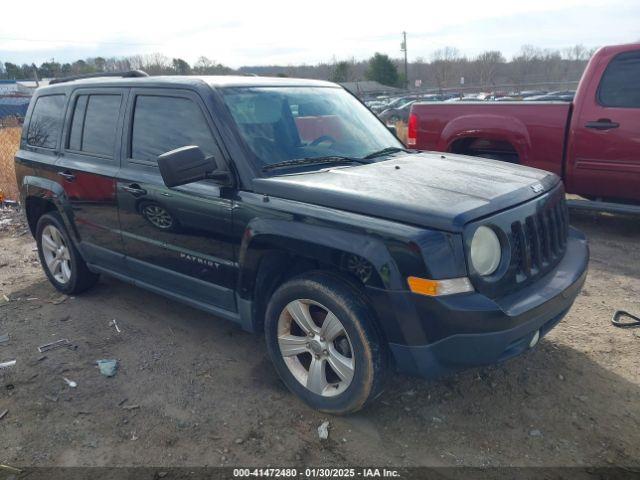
[(287, 207)]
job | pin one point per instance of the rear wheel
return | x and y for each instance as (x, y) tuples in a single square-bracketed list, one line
[(61, 261), (321, 338)]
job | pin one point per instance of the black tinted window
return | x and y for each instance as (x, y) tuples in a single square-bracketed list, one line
[(93, 128), (161, 124), (75, 138), (46, 121), (620, 84)]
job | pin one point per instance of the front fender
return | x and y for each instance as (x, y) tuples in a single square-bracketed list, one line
[(302, 237), (492, 127)]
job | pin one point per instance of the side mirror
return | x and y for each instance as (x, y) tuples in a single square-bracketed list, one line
[(187, 165)]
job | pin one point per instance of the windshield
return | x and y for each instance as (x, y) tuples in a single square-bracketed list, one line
[(289, 123)]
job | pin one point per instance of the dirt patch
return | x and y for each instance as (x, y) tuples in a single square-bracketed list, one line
[(194, 390)]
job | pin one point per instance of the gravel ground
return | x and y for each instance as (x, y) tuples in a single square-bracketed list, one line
[(195, 390)]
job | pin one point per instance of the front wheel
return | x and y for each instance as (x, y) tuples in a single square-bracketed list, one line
[(322, 339)]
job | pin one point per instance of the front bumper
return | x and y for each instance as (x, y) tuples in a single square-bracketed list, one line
[(440, 335)]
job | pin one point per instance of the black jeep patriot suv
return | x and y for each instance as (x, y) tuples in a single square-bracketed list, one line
[(287, 207)]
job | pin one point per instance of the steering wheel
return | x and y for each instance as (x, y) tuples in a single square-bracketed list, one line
[(323, 138)]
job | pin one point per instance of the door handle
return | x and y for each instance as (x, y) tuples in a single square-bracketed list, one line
[(602, 124), (134, 189), (67, 175)]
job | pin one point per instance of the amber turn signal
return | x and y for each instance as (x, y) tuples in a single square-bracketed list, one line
[(436, 288)]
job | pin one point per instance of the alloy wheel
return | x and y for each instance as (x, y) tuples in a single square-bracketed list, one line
[(315, 347), (56, 254)]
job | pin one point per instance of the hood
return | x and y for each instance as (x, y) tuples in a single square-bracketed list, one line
[(441, 191)]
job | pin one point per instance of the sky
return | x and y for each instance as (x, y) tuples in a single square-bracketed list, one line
[(291, 32)]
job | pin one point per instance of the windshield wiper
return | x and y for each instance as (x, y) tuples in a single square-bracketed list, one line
[(328, 160), (386, 151)]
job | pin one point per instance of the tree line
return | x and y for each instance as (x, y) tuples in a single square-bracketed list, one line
[(445, 68), (153, 64), (448, 68)]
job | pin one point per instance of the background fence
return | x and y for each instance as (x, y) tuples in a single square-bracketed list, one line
[(401, 131), (10, 131)]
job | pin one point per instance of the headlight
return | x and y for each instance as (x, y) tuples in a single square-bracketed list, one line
[(485, 251)]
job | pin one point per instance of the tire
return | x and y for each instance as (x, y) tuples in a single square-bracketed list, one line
[(70, 274), (353, 353)]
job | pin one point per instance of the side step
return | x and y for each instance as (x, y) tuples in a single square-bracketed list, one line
[(598, 206)]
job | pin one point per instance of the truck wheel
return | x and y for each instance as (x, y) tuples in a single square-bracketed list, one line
[(321, 338), (61, 261)]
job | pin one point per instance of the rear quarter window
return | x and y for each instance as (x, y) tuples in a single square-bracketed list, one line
[(620, 83), (45, 123)]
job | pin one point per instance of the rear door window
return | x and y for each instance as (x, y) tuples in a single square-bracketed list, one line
[(620, 84), (94, 124), (161, 124), (46, 121)]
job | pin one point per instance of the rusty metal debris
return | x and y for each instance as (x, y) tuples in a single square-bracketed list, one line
[(53, 345)]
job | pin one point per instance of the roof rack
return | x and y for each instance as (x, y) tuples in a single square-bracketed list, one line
[(129, 74)]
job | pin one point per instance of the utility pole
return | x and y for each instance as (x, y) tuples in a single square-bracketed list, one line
[(403, 48), (35, 74)]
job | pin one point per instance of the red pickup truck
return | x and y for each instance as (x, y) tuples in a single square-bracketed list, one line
[(593, 143)]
